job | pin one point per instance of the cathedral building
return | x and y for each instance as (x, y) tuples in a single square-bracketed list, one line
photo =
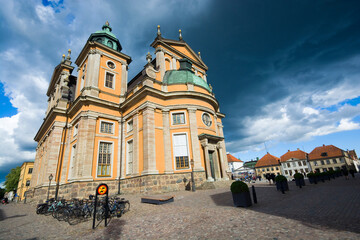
[(137, 136)]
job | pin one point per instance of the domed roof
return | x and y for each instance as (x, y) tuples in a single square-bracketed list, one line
[(184, 75), (106, 37)]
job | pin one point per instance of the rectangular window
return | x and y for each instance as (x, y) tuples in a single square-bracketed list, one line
[(178, 118), (76, 128), (342, 160), (277, 168), (286, 172), (129, 169), (304, 163), (272, 169), (306, 170), (130, 125), (288, 165), (109, 79), (294, 164), (27, 183), (181, 151), (315, 163), (322, 162), (72, 161), (267, 169), (300, 163), (106, 127), (104, 161), (327, 161), (30, 170), (263, 170), (334, 160)]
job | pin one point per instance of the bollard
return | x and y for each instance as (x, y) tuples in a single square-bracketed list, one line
[(254, 194)]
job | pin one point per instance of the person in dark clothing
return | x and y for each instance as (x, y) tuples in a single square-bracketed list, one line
[(345, 173), (352, 172)]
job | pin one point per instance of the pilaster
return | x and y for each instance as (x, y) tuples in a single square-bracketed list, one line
[(204, 144), (160, 62), (224, 165), (195, 145), (136, 144), (167, 141), (92, 76), (149, 141)]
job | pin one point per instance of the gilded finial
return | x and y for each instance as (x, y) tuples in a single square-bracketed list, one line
[(158, 31), (107, 23), (68, 56), (199, 54), (180, 36), (148, 57), (63, 58)]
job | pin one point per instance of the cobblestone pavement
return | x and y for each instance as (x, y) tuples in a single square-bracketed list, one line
[(329, 210)]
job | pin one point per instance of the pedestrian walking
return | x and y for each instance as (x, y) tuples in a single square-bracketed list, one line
[(345, 173), (352, 172)]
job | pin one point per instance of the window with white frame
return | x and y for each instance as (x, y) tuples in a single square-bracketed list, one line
[(129, 168), (109, 80), (104, 160), (106, 127), (130, 125), (181, 151), (315, 163), (334, 160), (178, 118), (342, 160), (76, 128)]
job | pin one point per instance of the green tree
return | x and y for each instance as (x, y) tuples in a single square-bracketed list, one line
[(12, 179)]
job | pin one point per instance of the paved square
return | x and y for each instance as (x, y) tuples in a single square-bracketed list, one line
[(329, 210)]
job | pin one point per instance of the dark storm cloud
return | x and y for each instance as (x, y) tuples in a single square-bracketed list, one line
[(260, 52)]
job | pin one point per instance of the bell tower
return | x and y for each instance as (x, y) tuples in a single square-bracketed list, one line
[(103, 68)]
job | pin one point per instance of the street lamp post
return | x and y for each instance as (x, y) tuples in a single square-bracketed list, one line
[(50, 178), (192, 175)]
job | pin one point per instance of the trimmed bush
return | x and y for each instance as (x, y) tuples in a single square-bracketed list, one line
[(298, 176), (239, 187), (280, 178)]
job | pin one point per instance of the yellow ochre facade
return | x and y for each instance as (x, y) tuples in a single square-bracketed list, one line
[(137, 136), (24, 179)]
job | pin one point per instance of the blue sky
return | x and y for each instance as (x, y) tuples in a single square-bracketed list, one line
[(286, 73)]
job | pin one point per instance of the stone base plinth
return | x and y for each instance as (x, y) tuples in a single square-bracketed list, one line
[(149, 184)]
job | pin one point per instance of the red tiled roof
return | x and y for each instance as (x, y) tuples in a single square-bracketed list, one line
[(267, 160), (353, 155), (293, 154), (231, 158), (325, 151)]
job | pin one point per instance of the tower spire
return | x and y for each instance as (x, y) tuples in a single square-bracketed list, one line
[(180, 36), (158, 31)]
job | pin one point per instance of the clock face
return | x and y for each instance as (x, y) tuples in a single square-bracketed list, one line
[(206, 119), (111, 64)]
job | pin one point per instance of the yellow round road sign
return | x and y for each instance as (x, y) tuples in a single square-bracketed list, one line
[(102, 189)]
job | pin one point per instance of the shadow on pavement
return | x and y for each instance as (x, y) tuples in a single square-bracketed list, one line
[(333, 204), (4, 217)]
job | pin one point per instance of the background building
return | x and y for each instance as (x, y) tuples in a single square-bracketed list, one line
[(233, 162), (293, 162), (25, 179), (329, 157), (268, 164), (136, 136)]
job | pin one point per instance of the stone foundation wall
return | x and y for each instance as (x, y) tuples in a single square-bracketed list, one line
[(149, 184)]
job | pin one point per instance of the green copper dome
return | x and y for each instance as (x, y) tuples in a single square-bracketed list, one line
[(106, 37), (184, 75)]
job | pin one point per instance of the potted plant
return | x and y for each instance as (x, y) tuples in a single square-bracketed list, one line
[(281, 183), (299, 180), (312, 178), (241, 194)]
